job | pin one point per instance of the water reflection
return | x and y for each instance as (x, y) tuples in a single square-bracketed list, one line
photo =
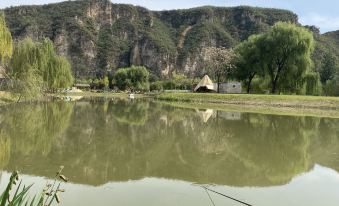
[(99, 141)]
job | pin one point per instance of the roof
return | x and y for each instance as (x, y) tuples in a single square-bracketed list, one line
[(205, 82)]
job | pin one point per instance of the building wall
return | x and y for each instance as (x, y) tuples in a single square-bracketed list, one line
[(229, 87)]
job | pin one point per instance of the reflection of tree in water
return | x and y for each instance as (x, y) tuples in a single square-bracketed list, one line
[(325, 148), (100, 146), (33, 128), (5, 149), (130, 112), (273, 148)]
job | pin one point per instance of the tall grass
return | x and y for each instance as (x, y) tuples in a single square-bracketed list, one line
[(18, 195)]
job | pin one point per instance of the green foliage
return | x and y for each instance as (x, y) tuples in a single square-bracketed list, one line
[(313, 84), (36, 67), (106, 82), (331, 87), (156, 86), (287, 55), (28, 85), (133, 78), (88, 33), (161, 37), (47, 197), (5, 39), (283, 53), (329, 67), (247, 61), (105, 45)]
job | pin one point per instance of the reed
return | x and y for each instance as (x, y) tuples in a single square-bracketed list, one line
[(18, 195)]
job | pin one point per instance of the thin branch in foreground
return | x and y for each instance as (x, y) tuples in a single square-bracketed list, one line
[(229, 197)]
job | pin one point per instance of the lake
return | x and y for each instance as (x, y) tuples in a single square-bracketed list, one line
[(146, 153)]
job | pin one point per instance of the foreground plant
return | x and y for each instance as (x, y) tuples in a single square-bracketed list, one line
[(19, 196)]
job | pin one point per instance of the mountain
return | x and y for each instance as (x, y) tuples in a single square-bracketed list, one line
[(98, 36)]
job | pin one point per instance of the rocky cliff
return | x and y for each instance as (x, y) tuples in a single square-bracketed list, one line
[(99, 36)]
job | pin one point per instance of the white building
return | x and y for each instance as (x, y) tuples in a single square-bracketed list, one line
[(229, 87)]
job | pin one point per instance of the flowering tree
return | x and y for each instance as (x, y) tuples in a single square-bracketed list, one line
[(219, 62)]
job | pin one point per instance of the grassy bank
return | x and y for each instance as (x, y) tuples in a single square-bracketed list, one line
[(291, 101), (100, 94), (268, 104)]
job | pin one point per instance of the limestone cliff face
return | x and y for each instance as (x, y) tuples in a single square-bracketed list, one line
[(98, 36)]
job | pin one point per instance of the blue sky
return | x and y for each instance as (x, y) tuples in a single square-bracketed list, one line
[(324, 13)]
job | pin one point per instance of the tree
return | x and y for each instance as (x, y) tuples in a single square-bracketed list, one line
[(26, 79), (329, 66), (286, 53), (39, 61), (28, 86), (6, 42), (312, 83), (331, 88), (133, 78), (219, 62), (62, 75), (248, 60)]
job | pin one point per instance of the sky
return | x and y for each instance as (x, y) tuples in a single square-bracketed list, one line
[(323, 14)]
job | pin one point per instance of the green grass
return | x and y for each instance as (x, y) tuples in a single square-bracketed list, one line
[(280, 101), (285, 111)]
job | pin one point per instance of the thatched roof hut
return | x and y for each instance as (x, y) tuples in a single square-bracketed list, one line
[(205, 85)]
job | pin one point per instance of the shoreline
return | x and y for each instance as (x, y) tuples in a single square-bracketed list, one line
[(264, 104), (278, 101)]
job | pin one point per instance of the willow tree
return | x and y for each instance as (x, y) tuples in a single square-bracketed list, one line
[(248, 60), (26, 79), (5, 39), (61, 76), (47, 70), (25, 58), (286, 52), (55, 70)]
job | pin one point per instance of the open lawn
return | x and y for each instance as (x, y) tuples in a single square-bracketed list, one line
[(283, 101)]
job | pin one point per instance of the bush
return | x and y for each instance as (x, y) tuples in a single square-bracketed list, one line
[(156, 86), (331, 88), (132, 78)]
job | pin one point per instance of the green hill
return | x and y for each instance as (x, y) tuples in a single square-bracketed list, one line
[(99, 36)]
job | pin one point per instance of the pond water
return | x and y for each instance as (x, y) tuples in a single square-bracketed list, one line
[(143, 153)]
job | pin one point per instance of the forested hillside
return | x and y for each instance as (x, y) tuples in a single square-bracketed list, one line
[(98, 36)]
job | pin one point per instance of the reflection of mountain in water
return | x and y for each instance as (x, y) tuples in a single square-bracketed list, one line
[(103, 141)]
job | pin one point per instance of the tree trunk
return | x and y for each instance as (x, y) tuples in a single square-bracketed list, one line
[(250, 78), (274, 83), (218, 84), (248, 88)]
